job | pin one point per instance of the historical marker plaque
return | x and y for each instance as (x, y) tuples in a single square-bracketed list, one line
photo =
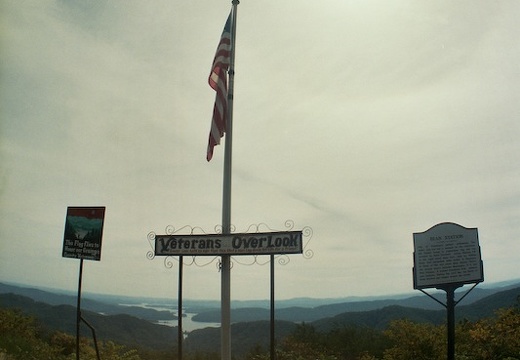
[(83, 233), (446, 254)]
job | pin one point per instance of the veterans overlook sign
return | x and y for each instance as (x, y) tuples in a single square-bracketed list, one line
[(266, 243)]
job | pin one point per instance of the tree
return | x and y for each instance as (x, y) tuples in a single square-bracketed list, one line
[(494, 338), (20, 337), (305, 343), (352, 342), (413, 341)]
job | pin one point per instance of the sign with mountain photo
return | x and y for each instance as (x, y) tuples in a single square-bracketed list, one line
[(83, 233)]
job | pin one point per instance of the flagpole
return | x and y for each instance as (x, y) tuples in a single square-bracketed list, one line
[(226, 203)]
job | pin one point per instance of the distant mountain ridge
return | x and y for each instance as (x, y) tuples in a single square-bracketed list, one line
[(380, 318), (298, 314), (376, 319), (243, 311), (132, 331), (86, 303), (122, 328), (413, 299)]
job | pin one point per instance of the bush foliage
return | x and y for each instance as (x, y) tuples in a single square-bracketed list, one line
[(498, 337)]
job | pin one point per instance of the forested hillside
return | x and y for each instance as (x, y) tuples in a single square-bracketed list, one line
[(492, 338), (52, 298), (123, 329), (421, 302), (370, 330)]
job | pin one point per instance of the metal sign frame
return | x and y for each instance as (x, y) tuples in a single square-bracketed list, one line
[(83, 232), (446, 254), (265, 243), (446, 257)]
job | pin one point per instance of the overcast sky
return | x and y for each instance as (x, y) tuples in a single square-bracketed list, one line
[(366, 121)]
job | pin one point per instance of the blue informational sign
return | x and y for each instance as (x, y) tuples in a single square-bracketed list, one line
[(83, 233)]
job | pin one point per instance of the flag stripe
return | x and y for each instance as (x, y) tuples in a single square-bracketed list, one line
[(218, 81)]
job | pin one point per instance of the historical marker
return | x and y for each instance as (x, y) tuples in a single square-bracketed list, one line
[(446, 257), (445, 254)]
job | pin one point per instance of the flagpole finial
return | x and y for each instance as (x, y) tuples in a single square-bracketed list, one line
[(235, 2)]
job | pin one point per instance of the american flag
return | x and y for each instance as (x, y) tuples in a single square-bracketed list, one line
[(218, 82)]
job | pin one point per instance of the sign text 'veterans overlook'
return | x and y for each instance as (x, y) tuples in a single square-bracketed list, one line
[(285, 242)]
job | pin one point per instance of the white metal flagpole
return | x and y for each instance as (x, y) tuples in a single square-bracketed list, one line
[(226, 203)]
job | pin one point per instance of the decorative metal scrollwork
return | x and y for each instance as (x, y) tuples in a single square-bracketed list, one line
[(169, 261), (282, 259), (307, 233), (150, 255), (248, 260)]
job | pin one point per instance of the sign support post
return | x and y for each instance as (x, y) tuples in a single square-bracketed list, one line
[(446, 257), (272, 351), (225, 245), (78, 308), (82, 240), (450, 309), (450, 306), (180, 336)]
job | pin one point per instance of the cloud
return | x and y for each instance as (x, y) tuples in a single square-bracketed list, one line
[(365, 121)]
